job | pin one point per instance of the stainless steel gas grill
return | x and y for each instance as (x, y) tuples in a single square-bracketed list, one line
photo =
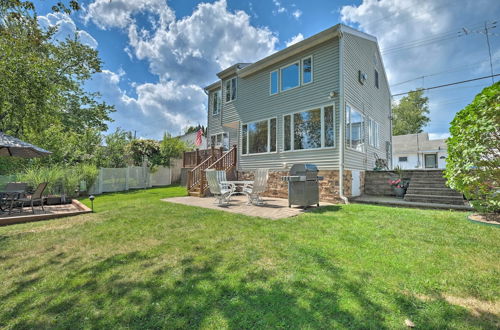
[(303, 185)]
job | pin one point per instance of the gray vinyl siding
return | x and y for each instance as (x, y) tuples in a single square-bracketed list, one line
[(372, 102), (255, 103)]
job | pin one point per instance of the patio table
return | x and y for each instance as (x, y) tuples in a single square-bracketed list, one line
[(238, 184)]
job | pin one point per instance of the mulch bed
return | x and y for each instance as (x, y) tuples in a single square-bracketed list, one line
[(489, 218)]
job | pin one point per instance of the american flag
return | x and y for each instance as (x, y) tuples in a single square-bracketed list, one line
[(199, 136)]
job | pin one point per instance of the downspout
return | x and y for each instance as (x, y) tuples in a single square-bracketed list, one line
[(342, 118)]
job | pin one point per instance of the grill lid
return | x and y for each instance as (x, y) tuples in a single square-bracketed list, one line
[(303, 169)]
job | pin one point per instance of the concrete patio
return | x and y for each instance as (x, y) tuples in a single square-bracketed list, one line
[(273, 208), (49, 212)]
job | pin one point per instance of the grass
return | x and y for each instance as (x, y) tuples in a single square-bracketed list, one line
[(143, 263)]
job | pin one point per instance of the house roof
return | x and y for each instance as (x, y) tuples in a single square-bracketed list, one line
[(413, 143)]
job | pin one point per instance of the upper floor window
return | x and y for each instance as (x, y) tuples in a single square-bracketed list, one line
[(307, 70), (231, 89), (376, 78), (354, 129), (216, 102), (373, 133), (402, 159), (309, 129), (259, 137), (274, 82), (290, 76)]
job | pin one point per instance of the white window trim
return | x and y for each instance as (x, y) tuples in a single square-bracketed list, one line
[(271, 82), (364, 133), (219, 103), (302, 70), (231, 90), (292, 142), (373, 141), (268, 137), (281, 78)]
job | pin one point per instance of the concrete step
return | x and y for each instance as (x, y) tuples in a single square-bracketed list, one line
[(427, 185), (433, 191), (454, 200)]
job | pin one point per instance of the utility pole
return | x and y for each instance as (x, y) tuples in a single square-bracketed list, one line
[(487, 33), (489, 48)]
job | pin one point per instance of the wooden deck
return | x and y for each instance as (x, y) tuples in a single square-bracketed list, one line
[(51, 212), (274, 208)]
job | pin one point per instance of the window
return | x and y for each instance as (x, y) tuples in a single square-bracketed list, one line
[(376, 78), (259, 137), (307, 70), (216, 100), (402, 159), (309, 129), (230, 89), (220, 140), (354, 129), (290, 76), (373, 133), (274, 82)]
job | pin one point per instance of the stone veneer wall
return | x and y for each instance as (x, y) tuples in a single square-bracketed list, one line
[(328, 187)]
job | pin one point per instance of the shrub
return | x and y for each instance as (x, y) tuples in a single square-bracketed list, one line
[(473, 163)]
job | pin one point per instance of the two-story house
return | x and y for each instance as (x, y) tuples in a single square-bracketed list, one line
[(324, 100)]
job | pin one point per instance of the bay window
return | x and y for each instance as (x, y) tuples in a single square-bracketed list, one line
[(259, 137), (309, 129), (354, 129)]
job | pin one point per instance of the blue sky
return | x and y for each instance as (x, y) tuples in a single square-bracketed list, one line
[(158, 55)]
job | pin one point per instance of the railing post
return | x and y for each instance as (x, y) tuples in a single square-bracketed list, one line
[(184, 160), (235, 154), (197, 156), (212, 150), (221, 151)]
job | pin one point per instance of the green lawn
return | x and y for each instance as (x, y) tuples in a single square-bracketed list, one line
[(143, 263)]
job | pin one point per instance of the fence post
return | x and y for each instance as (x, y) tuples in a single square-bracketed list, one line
[(127, 178)]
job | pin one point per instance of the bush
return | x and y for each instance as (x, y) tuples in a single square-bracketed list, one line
[(473, 163), (62, 180)]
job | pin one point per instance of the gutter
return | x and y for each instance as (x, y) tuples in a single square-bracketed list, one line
[(342, 118)]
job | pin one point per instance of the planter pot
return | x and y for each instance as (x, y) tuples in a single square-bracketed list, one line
[(400, 192)]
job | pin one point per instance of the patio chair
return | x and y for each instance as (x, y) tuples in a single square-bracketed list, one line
[(37, 196), (259, 186), (10, 193), (221, 191)]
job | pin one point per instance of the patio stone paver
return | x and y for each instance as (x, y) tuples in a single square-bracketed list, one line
[(274, 208)]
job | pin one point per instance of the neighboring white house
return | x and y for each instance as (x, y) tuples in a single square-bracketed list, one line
[(190, 139), (417, 151)]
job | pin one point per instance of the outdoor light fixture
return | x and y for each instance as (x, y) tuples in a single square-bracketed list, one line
[(92, 197)]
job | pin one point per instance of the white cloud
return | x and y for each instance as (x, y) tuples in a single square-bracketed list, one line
[(279, 8), (66, 28), (157, 107), (119, 13), (194, 48), (297, 38), (297, 13), (398, 23)]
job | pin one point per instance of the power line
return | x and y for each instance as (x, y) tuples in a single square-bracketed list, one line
[(450, 84)]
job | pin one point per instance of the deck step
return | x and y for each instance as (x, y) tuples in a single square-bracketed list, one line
[(454, 200)]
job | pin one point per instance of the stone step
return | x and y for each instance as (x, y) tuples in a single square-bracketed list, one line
[(454, 200), (427, 185), (433, 191)]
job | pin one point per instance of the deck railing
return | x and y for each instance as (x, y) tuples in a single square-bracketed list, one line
[(196, 157), (227, 161)]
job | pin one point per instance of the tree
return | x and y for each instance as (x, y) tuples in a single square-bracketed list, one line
[(114, 152), (473, 163), (171, 148), (42, 85), (410, 114), (194, 129)]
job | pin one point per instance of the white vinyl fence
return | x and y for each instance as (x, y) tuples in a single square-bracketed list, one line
[(133, 177)]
